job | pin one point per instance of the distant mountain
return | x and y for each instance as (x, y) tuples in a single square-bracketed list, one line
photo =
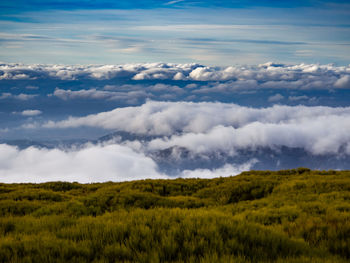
[(24, 143), (267, 158), (175, 159), (126, 136)]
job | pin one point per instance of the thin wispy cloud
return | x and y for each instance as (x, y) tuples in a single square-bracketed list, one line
[(177, 31), (29, 113)]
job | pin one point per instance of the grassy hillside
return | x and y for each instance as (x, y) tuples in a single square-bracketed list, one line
[(286, 216)]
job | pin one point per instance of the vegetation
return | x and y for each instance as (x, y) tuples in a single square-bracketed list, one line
[(259, 216)]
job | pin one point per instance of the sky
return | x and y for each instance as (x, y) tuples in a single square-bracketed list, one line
[(219, 33), (95, 91)]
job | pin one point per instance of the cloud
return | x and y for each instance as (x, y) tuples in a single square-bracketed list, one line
[(130, 97), (157, 118), (164, 71), (92, 163), (99, 72), (130, 94), (210, 127), (21, 71), (160, 87), (316, 137), (267, 76), (275, 98), (21, 96), (13, 76), (248, 41), (343, 82), (24, 96), (82, 94), (29, 113), (174, 2), (224, 171)]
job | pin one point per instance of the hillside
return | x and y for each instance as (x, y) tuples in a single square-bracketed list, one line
[(258, 216)]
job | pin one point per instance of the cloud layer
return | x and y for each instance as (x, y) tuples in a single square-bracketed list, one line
[(269, 75), (164, 119), (186, 139), (90, 163), (211, 127)]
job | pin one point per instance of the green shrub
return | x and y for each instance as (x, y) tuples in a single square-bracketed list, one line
[(259, 216)]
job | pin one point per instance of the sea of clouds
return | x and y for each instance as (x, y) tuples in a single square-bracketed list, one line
[(269, 75), (162, 115), (203, 130)]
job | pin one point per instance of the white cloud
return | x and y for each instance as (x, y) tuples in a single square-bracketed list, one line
[(317, 136), (174, 2), (269, 75), (29, 113), (224, 171), (91, 94), (130, 97), (210, 127), (160, 87), (343, 82), (275, 98), (24, 96), (158, 118), (93, 163), (20, 96), (164, 71), (298, 98), (13, 76)]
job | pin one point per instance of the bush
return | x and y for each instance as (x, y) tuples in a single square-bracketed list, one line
[(259, 216)]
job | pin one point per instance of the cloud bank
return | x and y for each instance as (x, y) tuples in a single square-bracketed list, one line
[(90, 163), (269, 75), (188, 137), (208, 127)]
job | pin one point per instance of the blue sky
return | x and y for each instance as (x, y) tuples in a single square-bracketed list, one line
[(207, 32)]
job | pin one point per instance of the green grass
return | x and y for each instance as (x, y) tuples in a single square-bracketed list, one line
[(286, 216)]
